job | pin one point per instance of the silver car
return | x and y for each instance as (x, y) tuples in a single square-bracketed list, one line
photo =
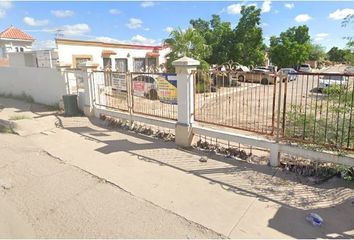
[(305, 68), (145, 85), (331, 80), (288, 74)]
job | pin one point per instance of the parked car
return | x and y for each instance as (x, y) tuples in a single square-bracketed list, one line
[(269, 68), (289, 74), (258, 75), (305, 68), (327, 81), (262, 68), (145, 85)]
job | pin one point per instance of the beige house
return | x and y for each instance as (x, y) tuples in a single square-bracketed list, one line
[(115, 56)]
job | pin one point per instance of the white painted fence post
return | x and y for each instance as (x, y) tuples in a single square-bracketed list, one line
[(88, 88), (185, 99)]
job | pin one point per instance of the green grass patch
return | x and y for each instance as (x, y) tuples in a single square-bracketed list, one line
[(18, 117), (6, 129)]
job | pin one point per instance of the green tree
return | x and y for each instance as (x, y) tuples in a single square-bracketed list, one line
[(220, 39), (248, 46), (218, 35), (317, 52), (189, 43), (291, 48), (336, 55)]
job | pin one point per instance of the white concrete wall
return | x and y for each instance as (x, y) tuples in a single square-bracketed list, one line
[(44, 85), (22, 59), (66, 52)]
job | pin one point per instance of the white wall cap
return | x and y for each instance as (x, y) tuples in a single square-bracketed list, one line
[(185, 62)]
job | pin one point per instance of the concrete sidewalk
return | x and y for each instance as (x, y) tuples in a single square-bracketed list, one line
[(233, 198)]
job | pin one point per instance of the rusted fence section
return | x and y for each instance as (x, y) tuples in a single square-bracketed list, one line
[(313, 108), (107, 93), (318, 109), (221, 99), (152, 94)]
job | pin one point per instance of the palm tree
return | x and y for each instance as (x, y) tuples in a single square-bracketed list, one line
[(187, 43)]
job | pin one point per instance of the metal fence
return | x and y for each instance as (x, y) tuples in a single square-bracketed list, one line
[(317, 108), (313, 108), (73, 80), (107, 94), (221, 99), (151, 94)]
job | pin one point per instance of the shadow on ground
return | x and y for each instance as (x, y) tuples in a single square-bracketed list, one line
[(295, 195)]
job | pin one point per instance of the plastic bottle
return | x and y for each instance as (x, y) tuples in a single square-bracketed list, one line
[(314, 219)]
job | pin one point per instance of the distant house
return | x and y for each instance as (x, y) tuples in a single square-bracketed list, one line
[(114, 56), (13, 40)]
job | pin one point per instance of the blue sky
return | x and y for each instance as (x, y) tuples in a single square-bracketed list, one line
[(149, 22)]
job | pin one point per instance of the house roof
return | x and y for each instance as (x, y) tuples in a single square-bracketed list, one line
[(15, 33), (105, 44)]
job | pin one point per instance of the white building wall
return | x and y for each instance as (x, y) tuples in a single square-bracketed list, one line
[(66, 52), (10, 46), (44, 85)]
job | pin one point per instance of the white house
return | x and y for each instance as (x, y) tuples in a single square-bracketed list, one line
[(115, 56), (14, 40)]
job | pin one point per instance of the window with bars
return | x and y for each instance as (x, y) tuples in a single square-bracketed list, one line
[(121, 64), (107, 63), (139, 65), (151, 64)]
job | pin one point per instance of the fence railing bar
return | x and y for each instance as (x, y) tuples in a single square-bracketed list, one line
[(350, 118)]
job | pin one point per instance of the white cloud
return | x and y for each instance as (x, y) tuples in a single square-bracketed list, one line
[(289, 5), (41, 45), (146, 4), (76, 29), (234, 8), (147, 29), (168, 29), (264, 24), (320, 36), (142, 40), (114, 11), (5, 4), (134, 23), (302, 18), (2, 13), (341, 13), (62, 13), (266, 6), (137, 39), (35, 23), (108, 40)]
